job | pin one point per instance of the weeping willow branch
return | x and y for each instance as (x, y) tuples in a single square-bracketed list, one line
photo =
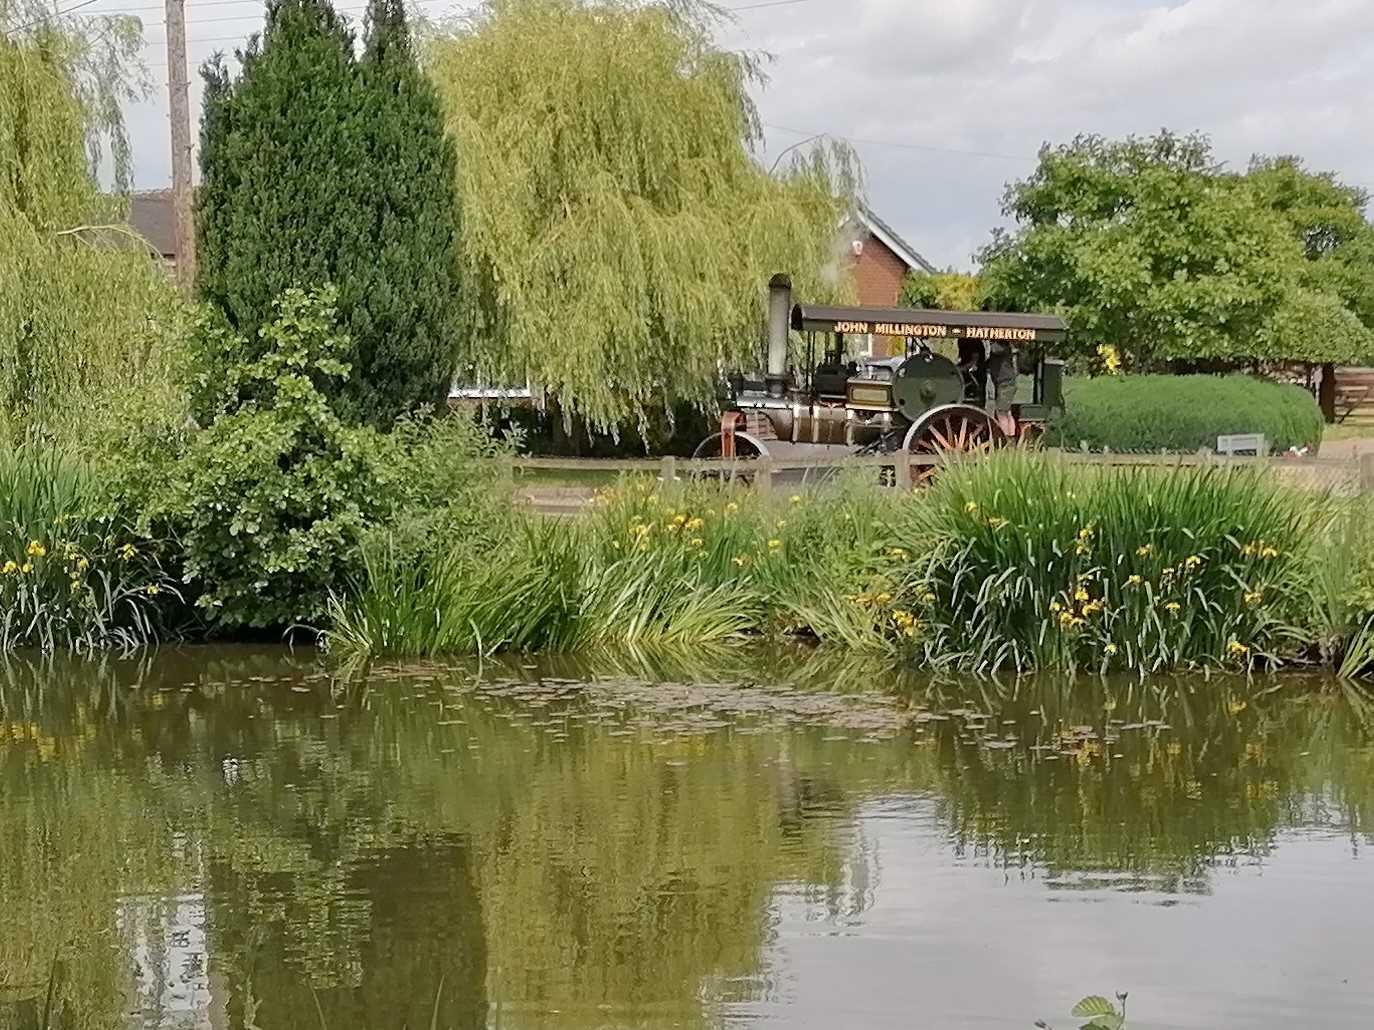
[(618, 229)]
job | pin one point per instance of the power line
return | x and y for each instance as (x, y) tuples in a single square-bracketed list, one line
[(900, 145), (55, 14)]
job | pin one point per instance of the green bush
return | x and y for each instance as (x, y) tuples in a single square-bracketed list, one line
[(1038, 563), (1182, 413), (73, 573), (270, 500)]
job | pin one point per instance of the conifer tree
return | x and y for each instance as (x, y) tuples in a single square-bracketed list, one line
[(318, 167)]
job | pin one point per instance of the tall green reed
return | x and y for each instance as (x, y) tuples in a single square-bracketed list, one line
[(1035, 562), (73, 573)]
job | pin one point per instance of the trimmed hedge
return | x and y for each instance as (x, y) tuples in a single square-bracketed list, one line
[(1182, 413)]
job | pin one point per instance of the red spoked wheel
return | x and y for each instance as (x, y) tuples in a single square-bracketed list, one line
[(950, 431), (736, 451)]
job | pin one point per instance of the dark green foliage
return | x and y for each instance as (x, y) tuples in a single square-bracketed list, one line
[(319, 167), (270, 500), (1183, 413)]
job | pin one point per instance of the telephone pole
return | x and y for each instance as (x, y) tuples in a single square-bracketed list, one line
[(179, 111)]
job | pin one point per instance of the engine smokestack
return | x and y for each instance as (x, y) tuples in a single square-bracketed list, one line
[(779, 322)]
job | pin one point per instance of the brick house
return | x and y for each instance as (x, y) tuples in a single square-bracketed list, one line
[(880, 262)]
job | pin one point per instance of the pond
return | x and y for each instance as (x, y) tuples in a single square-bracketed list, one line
[(239, 838)]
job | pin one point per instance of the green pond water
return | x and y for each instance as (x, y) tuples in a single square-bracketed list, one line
[(238, 838)]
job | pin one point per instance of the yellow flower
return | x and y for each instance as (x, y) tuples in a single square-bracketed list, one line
[(696, 542), (1055, 606), (928, 598), (1173, 607), (740, 560), (1109, 650), (1080, 548), (1249, 550), (883, 598), (897, 552), (35, 549), (695, 523), (127, 552), (1134, 581), (731, 508), (794, 499), (10, 568), (82, 565), (1066, 618), (1080, 594), (679, 519), (1085, 533), (997, 522), (671, 527), (774, 544), (1145, 550), (1254, 597), (1269, 552), (1236, 707), (1192, 561), (151, 590), (1092, 607), (781, 524), (862, 600), (26, 568), (971, 507), (1235, 647)]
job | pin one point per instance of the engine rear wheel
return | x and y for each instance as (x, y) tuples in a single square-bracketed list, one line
[(955, 430), (748, 449)]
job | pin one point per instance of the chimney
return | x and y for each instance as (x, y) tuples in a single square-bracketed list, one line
[(779, 322)]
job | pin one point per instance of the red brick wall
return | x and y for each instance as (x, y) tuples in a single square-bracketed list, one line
[(878, 276)]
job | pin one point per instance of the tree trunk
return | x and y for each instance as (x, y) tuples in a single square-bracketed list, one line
[(1326, 392)]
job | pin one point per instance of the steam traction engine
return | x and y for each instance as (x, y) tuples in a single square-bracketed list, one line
[(921, 402)]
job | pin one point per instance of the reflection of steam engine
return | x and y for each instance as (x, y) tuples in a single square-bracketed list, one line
[(881, 403)]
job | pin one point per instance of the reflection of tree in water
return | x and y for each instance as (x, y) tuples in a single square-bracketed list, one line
[(401, 939), (576, 863), (1146, 785)]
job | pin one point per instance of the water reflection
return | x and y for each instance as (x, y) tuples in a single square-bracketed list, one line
[(241, 839)]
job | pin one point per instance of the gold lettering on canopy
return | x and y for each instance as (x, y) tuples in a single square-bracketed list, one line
[(852, 327)]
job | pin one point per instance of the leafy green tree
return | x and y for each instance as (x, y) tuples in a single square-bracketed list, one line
[(1149, 247), (85, 314), (943, 291), (618, 233), (321, 167)]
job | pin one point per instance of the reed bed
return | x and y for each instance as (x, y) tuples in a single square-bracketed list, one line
[(73, 573)]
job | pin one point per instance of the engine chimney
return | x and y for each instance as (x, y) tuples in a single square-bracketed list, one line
[(779, 322)]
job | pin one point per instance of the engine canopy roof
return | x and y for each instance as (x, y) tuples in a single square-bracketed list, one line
[(986, 326)]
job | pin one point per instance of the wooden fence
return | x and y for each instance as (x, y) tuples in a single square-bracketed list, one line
[(1343, 475)]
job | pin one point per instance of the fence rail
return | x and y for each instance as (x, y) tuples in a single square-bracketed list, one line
[(1353, 474)]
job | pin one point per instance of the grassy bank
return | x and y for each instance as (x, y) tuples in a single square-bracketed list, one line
[(1013, 563)]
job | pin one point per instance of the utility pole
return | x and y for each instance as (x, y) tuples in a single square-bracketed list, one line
[(179, 111)]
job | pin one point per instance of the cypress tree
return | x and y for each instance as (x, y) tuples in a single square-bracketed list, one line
[(318, 167)]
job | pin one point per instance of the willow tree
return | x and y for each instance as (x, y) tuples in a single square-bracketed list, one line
[(84, 310), (618, 231)]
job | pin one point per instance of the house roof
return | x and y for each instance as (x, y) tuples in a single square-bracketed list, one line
[(152, 217), (893, 241)]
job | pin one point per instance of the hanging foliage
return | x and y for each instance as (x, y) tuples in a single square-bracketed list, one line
[(101, 58), (85, 312), (618, 233)]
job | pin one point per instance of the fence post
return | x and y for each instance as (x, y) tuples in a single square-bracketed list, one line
[(1367, 474), (902, 470), (763, 478), (669, 472)]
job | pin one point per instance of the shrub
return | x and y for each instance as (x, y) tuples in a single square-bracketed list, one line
[(270, 500), (73, 573), (1038, 563), (1183, 413)]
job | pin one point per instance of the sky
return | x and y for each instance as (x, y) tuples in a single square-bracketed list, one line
[(948, 100)]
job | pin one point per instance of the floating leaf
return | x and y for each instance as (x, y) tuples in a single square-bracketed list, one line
[(1093, 1005)]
